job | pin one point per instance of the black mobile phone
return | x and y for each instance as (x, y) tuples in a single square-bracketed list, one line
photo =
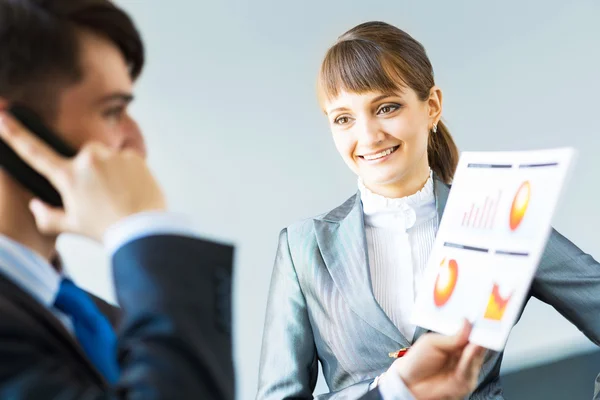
[(20, 170)]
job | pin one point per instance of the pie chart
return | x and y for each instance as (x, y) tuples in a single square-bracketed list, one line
[(445, 282), (519, 205)]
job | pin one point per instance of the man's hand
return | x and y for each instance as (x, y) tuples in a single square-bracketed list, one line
[(440, 367), (98, 187)]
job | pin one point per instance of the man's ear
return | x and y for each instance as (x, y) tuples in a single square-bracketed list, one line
[(3, 103)]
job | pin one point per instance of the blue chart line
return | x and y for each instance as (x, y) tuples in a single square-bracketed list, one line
[(465, 247), (512, 253)]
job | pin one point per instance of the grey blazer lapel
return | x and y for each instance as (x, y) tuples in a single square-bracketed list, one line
[(441, 191), (341, 239)]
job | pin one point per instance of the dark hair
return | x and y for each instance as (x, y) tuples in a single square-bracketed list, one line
[(39, 46), (376, 56)]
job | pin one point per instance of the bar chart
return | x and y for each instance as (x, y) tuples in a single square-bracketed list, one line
[(482, 214)]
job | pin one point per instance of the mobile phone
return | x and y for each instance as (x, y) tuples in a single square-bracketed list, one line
[(20, 170)]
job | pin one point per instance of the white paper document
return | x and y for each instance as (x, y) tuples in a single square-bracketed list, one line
[(490, 240)]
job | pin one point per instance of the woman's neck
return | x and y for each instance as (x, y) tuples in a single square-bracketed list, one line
[(404, 187)]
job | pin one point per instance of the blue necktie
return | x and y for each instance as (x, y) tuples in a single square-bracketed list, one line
[(92, 328)]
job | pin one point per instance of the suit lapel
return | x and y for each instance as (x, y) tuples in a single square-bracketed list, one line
[(441, 191), (50, 328), (341, 239)]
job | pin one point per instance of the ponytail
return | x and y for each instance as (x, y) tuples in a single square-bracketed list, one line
[(442, 153)]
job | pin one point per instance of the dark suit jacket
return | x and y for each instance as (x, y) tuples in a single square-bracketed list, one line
[(174, 333), (112, 313)]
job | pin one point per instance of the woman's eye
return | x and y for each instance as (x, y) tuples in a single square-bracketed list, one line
[(388, 108)]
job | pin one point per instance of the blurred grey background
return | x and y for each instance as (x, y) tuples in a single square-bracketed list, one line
[(236, 137)]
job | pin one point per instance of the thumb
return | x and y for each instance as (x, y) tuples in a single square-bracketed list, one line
[(470, 362), (49, 220), (455, 342)]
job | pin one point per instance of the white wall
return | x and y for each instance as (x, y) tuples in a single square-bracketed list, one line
[(236, 137)]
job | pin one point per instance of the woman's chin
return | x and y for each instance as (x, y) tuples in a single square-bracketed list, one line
[(381, 181)]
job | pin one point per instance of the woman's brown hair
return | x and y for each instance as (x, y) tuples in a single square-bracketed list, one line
[(378, 57)]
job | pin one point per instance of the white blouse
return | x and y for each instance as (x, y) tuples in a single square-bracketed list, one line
[(400, 235)]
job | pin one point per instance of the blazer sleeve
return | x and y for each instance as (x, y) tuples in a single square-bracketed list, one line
[(372, 395), (174, 338), (288, 364), (376, 394), (569, 280), (359, 390)]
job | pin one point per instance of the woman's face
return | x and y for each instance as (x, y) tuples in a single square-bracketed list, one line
[(383, 137)]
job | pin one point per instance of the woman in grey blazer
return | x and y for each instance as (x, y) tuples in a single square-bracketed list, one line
[(344, 282)]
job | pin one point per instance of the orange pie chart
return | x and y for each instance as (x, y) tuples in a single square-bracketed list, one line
[(445, 282), (520, 205)]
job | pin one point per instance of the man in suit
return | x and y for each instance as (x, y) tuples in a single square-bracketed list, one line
[(74, 62), (174, 333)]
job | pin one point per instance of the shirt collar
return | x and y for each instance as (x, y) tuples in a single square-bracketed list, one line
[(402, 213), (29, 270)]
